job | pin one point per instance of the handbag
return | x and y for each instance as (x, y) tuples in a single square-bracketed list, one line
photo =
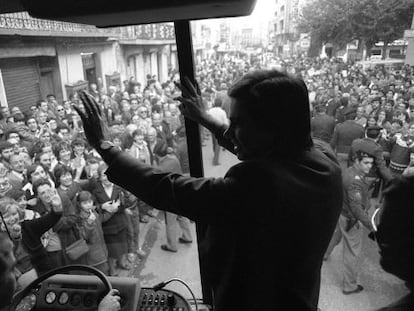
[(78, 248)]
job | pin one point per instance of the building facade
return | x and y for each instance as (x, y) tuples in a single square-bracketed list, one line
[(40, 57)]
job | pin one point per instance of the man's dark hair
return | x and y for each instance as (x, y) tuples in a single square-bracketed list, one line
[(31, 168), (270, 93), (59, 171), (359, 155), (39, 183), (78, 142), (5, 145), (62, 126), (61, 146), (19, 117), (7, 134)]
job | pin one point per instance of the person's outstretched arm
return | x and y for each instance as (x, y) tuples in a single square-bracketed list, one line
[(192, 107)]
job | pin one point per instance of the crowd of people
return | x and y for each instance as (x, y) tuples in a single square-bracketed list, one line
[(46, 161)]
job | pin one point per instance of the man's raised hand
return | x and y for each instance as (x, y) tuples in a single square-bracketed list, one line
[(94, 122)]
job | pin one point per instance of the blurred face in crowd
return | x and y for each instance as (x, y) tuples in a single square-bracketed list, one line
[(42, 118), (104, 179), (45, 193), (15, 110), (45, 137), (67, 105), (402, 107), (79, 149), (395, 128), (32, 124), (64, 134), (156, 119), (51, 99), (5, 112), (387, 106), (152, 135), (87, 205), (118, 117), (134, 104), (60, 111), (411, 130), (53, 125), (143, 112), (48, 149), (6, 153), (139, 139), (364, 165), (4, 185), (381, 116), (66, 179), (44, 106), (22, 202), (12, 221), (117, 142), (371, 121), (38, 173), (359, 112), (45, 160), (17, 163), (64, 155), (14, 138), (33, 109)]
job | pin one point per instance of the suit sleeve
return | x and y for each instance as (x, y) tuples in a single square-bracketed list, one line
[(201, 199), (40, 225)]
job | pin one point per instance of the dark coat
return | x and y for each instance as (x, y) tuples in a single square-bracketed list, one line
[(279, 246), (67, 226), (344, 134), (112, 224), (322, 126), (32, 230)]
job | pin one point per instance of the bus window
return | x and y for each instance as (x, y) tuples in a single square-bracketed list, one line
[(131, 72)]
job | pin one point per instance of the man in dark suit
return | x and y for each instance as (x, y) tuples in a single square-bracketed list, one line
[(322, 125), (295, 189), (344, 134)]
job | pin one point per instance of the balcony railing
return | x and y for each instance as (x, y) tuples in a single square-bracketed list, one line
[(24, 22), (150, 32)]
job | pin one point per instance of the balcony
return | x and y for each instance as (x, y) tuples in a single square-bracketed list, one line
[(25, 25), (163, 33)]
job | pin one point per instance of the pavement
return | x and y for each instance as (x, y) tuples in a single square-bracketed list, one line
[(380, 288)]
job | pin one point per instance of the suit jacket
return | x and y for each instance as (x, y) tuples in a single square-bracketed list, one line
[(269, 223), (322, 127), (112, 223), (344, 134)]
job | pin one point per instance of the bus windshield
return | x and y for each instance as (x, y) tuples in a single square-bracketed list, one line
[(131, 72)]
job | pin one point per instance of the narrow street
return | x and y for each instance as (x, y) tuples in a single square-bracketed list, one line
[(380, 288)]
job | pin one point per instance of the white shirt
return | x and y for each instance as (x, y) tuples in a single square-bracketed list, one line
[(219, 114)]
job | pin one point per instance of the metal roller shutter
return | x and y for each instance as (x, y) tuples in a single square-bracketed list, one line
[(21, 82)]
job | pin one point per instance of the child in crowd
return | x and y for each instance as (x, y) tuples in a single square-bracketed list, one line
[(91, 230)]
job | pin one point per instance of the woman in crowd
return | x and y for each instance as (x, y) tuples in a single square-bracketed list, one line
[(110, 200)]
